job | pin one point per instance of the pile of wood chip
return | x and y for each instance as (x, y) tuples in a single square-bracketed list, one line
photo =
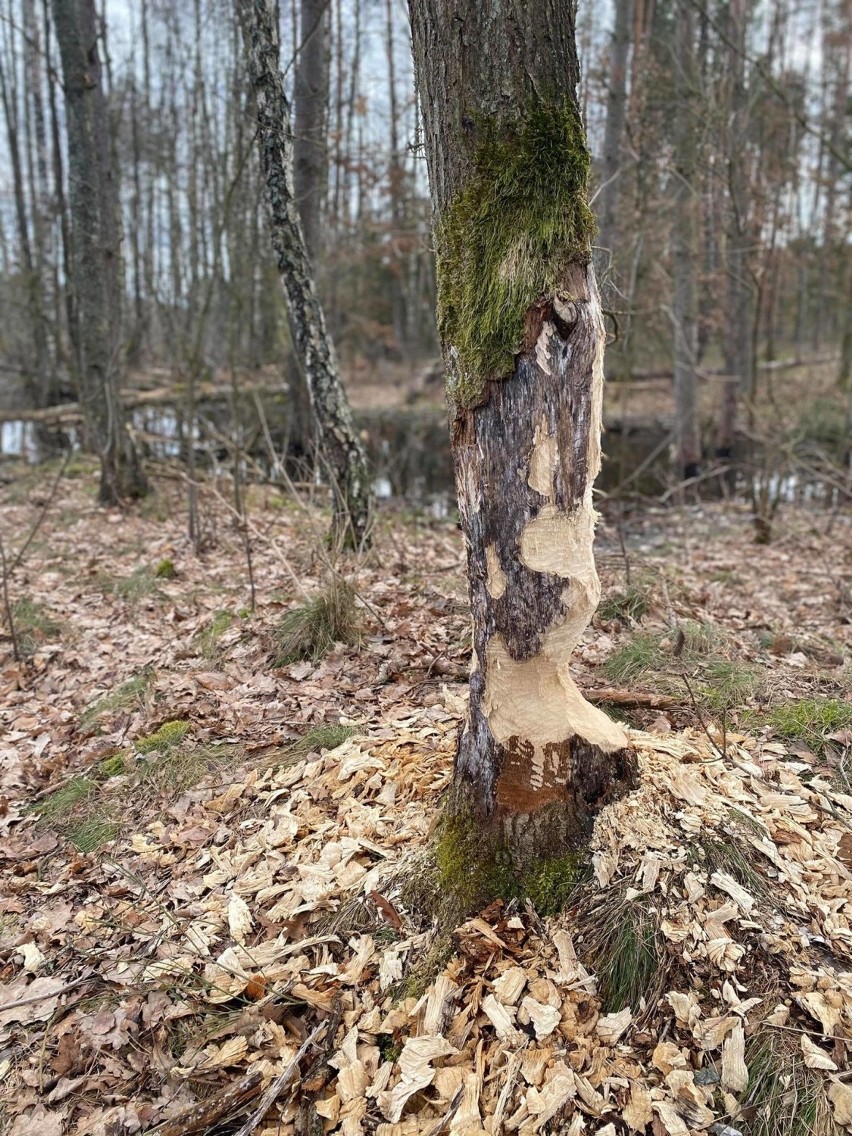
[(264, 928)]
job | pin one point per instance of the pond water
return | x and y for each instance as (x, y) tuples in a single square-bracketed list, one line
[(409, 452)]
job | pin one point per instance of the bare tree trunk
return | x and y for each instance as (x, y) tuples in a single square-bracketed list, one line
[(310, 122), (95, 261), (616, 108), (684, 251), (739, 344), (523, 340), (340, 445), (310, 176)]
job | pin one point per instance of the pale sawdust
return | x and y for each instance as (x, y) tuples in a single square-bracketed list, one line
[(511, 1033)]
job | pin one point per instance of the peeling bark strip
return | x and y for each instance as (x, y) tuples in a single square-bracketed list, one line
[(536, 761), (341, 448)]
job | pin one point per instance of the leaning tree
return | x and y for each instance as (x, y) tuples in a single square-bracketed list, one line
[(523, 339), (340, 445)]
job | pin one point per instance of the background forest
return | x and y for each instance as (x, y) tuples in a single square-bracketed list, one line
[(720, 135)]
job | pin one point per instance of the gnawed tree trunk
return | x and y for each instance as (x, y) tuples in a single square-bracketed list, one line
[(523, 339), (96, 277), (340, 446)]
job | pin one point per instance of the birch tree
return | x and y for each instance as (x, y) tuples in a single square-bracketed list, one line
[(523, 339), (339, 443), (96, 277)]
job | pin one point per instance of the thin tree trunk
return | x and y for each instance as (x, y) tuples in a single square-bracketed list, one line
[(684, 250), (523, 339), (613, 151), (340, 445), (739, 346), (310, 177), (310, 122), (96, 269)]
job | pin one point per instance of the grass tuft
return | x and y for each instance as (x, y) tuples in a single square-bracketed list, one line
[(141, 583), (93, 832), (695, 650), (641, 653), (620, 941), (726, 683), (178, 769), (328, 736), (628, 606), (208, 638), (65, 799), (33, 626), (811, 720), (729, 853), (783, 1097), (129, 696), (310, 631), (165, 570)]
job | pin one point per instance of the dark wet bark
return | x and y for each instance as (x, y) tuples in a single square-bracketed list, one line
[(96, 278)]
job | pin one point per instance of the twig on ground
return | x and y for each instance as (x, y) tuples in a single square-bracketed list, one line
[(7, 604), (280, 1083), (229, 1101)]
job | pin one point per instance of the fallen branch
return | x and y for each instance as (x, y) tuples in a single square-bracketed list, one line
[(206, 1113), (631, 698), (280, 1083)]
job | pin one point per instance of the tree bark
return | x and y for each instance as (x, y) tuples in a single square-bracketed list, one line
[(95, 255), (340, 445), (616, 110), (536, 761), (310, 120), (684, 251), (739, 300)]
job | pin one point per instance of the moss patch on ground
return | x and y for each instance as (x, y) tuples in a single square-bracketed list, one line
[(327, 736), (507, 238), (168, 737)]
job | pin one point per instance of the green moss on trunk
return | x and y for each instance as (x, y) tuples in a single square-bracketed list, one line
[(505, 241), (475, 867)]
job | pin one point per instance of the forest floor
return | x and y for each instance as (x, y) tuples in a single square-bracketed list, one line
[(208, 843)]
